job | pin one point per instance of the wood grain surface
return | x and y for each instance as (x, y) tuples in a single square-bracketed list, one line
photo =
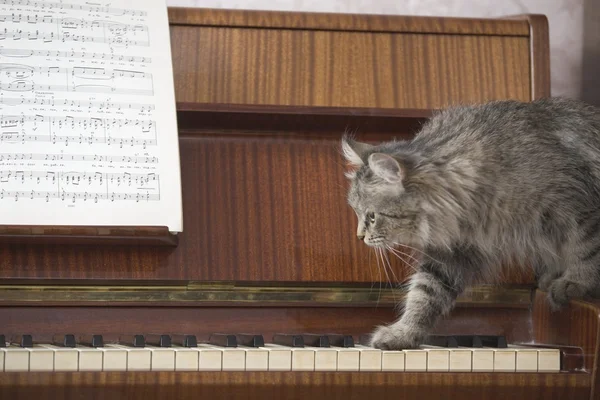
[(346, 22), (346, 68), (264, 195), (292, 385)]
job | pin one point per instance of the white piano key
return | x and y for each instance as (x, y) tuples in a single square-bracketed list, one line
[(461, 359), (186, 359), (40, 358), (505, 360), (482, 360), (162, 358), (257, 359), (280, 359), (65, 359), (138, 358), (113, 359), (90, 358), (415, 360), (370, 358), (303, 358), (16, 359), (548, 360), (326, 359), (526, 359), (233, 358), (348, 359), (393, 360), (209, 358), (1, 360), (438, 358)]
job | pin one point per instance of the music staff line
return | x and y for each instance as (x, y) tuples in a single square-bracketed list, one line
[(101, 105), (110, 131), (73, 23), (23, 71), (80, 139), (23, 53), (54, 157), (13, 121), (74, 196), (70, 6), (19, 34), (25, 86), (79, 185), (78, 178)]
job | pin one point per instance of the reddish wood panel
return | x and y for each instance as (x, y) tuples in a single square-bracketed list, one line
[(293, 385), (229, 65)]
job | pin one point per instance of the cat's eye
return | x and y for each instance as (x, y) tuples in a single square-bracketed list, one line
[(371, 217)]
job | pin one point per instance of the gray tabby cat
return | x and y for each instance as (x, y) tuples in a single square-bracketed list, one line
[(480, 187)]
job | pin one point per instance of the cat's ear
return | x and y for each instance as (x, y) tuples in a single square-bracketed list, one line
[(354, 151), (386, 167)]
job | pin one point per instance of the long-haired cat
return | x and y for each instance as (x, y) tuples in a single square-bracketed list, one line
[(477, 188)]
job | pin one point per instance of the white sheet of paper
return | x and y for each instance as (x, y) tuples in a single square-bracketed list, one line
[(88, 130)]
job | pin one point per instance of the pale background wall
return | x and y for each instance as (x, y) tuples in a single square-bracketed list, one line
[(574, 28)]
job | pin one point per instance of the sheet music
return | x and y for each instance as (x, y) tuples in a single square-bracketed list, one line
[(88, 132)]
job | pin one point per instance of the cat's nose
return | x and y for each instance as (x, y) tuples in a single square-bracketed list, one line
[(360, 236)]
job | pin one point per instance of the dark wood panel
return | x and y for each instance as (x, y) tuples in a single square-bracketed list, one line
[(352, 69), (346, 22), (44, 321), (293, 385)]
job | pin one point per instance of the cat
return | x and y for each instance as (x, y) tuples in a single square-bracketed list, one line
[(478, 187)]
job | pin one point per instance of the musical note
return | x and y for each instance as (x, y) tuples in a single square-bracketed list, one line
[(76, 104), (25, 53), (73, 23), (45, 5), (53, 157)]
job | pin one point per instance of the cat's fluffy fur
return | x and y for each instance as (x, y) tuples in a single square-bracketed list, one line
[(478, 188)]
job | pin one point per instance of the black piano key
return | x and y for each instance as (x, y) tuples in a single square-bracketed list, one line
[(248, 340), (26, 341), (314, 340), (64, 340), (133, 341), (468, 341), (288, 340), (185, 340), (498, 342), (364, 340), (159, 340), (91, 340), (440, 341), (2, 341), (341, 340), (223, 340)]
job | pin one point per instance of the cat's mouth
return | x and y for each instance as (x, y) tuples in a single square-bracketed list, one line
[(375, 241)]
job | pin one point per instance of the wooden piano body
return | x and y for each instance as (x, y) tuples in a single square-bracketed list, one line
[(269, 244)]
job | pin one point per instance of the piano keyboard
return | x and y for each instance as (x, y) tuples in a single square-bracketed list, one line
[(223, 352)]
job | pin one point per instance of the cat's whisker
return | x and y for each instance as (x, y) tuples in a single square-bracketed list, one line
[(390, 248), (396, 280), (392, 284), (379, 275), (411, 266), (419, 251), (384, 266), (403, 260)]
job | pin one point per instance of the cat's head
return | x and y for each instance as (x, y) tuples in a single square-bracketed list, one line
[(388, 207)]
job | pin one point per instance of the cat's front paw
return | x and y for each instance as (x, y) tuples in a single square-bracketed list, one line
[(562, 290), (394, 337)]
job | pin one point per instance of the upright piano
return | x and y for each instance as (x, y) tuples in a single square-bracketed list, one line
[(267, 292)]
